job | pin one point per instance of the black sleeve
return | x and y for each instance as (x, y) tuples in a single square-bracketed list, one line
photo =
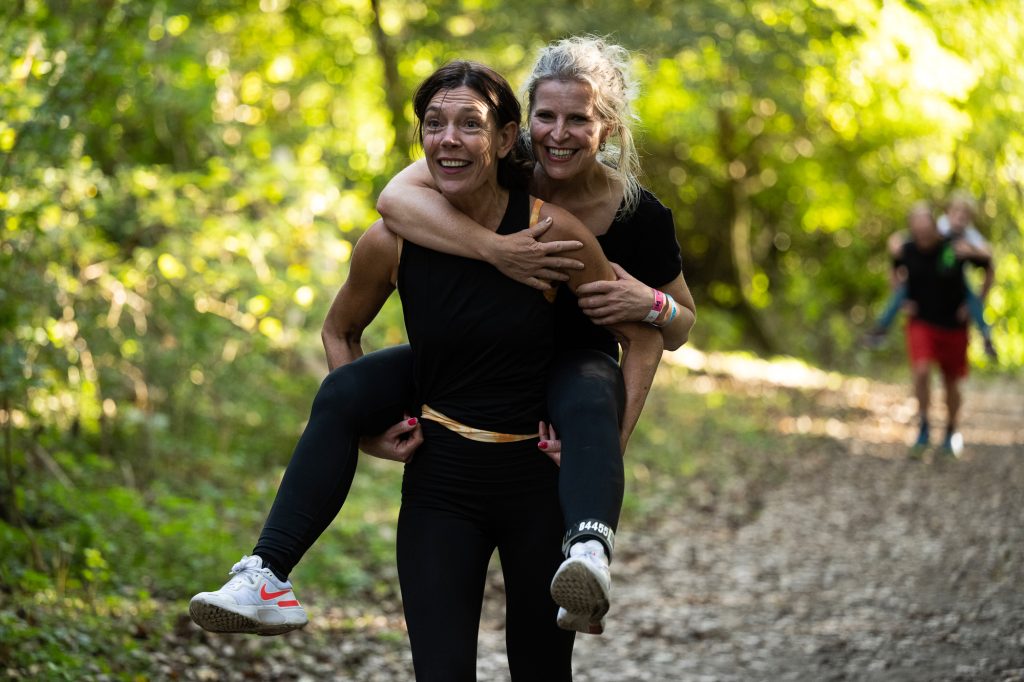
[(664, 261)]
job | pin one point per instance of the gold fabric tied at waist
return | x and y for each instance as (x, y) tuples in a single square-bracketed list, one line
[(470, 432)]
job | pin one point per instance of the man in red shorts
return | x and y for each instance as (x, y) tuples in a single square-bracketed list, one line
[(937, 301)]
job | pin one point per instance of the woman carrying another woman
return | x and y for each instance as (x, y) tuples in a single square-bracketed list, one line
[(586, 394), (578, 97)]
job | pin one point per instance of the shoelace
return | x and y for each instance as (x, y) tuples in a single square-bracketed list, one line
[(245, 571), (247, 563)]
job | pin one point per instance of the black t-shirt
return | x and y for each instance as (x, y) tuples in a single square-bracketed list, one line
[(935, 281), (644, 244), (481, 342)]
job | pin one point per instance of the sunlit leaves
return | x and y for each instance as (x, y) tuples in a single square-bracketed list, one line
[(187, 178)]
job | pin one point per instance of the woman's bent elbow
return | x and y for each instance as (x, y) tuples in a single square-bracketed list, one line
[(676, 343), (384, 203)]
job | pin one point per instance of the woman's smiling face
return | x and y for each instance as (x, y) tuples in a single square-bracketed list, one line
[(564, 128), (462, 141)]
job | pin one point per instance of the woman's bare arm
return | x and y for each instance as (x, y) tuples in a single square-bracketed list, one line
[(370, 282), (629, 300), (414, 209), (677, 332)]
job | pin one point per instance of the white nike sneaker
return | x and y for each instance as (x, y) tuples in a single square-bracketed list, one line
[(253, 601), (582, 587)]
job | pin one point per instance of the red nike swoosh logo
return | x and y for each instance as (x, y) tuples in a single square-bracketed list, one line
[(271, 595)]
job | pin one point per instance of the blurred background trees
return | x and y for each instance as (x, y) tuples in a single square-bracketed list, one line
[(181, 183)]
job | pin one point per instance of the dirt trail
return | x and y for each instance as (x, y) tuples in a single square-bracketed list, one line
[(861, 565)]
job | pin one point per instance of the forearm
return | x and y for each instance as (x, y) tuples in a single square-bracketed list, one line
[(677, 332), (641, 352), (440, 227), (369, 283), (986, 285), (680, 314), (341, 348), (413, 209)]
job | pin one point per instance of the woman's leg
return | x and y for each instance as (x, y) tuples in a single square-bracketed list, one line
[(977, 312), (892, 308), (362, 397), (529, 534), (443, 548), (586, 396), (365, 396)]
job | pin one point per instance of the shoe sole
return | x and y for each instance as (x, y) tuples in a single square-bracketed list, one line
[(577, 590), (580, 623), (213, 618)]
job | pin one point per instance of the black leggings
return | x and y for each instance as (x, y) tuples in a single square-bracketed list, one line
[(362, 397), (586, 398), (460, 500)]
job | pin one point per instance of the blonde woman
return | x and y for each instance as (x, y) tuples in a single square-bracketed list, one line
[(578, 96)]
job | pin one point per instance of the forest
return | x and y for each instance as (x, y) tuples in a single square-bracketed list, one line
[(182, 183)]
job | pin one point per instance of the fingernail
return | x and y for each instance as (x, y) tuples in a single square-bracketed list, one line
[(412, 422), (543, 445)]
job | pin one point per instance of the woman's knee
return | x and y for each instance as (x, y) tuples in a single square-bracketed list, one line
[(586, 383), (339, 392), (377, 382)]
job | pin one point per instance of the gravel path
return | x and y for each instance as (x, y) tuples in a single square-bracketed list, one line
[(861, 565)]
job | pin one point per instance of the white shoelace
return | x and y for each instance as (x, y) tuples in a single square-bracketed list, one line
[(245, 571)]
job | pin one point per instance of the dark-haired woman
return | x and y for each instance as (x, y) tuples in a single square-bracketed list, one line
[(481, 347), (579, 95), (586, 396)]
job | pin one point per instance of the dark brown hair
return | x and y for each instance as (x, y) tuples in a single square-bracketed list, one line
[(514, 170)]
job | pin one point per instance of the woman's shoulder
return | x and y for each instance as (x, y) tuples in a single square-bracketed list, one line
[(648, 201), (648, 213), (378, 242)]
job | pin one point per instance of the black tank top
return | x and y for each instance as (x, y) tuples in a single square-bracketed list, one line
[(481, 342)]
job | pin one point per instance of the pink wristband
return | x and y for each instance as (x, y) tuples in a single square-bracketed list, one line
[(670, 305), (656, 307)]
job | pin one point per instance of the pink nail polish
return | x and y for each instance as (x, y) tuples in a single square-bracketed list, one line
[(412, 422), (543, 445)]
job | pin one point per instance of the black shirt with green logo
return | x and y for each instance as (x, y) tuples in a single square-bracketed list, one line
[(935, 282)]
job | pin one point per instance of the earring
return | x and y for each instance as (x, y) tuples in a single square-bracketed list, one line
[(601, 147)]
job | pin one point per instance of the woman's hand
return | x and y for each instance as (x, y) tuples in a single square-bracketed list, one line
[(549, 443), (521, 257), (624, 300), (398, 443)]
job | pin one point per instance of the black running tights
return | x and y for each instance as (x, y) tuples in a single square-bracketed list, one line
[(586, 398), (461, 500), (365, 396)]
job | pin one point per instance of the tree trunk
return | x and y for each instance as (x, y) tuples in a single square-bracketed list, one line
[(742, 258), (393, 91)]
